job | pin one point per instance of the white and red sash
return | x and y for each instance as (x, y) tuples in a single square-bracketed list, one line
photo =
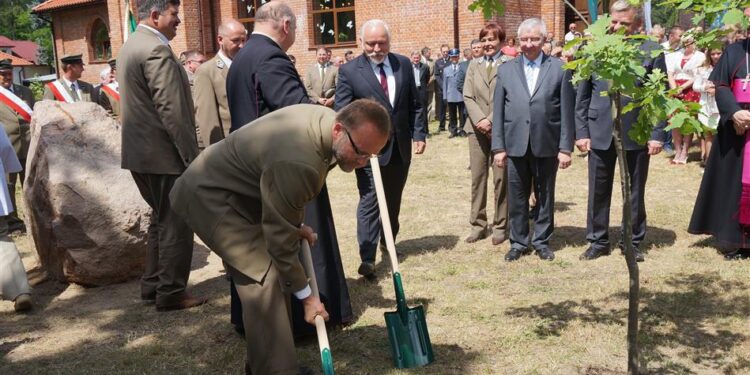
[(111, 89), (15, 103), (61, 94)]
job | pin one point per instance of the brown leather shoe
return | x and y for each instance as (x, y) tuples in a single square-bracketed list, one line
[(477, 235), (497, 239), (187, 302), (22, 303)]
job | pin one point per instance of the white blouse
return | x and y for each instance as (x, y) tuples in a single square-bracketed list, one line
[(677, 71)]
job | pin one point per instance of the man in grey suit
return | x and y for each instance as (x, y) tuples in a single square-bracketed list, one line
[(158, 143), (594, 135), (532, 131)]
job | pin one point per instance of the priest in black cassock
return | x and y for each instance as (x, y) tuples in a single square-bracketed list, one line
[(720, 200), (261, 80)]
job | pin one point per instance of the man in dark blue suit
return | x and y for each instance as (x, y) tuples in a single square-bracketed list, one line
[(261, 80), (389, 79), (594, 135), (264, 79)]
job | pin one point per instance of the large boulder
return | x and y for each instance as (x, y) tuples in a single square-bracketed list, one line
[(86, 215)]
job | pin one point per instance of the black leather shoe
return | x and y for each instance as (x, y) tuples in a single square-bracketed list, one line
[(367, 269), (515, 254), (592, 253), (545, 254), (737, 254), (462, 134), (452, 135), (17, 227)]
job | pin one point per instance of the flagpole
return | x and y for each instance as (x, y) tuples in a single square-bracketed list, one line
[(125, 21)]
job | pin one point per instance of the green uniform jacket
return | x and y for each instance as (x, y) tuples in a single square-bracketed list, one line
[(245, 196)]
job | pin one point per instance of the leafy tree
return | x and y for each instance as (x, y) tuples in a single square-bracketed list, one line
[(17, 22), (617, 58)]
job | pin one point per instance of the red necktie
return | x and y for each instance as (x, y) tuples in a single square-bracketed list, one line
[(384, 81)]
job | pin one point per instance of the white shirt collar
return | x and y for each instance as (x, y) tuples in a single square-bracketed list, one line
[(267, 36), (386, 63), (537, 61), (69, 83), (226, 60), (158, 33)]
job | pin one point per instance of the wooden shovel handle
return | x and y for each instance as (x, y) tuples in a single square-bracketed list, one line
[(383, 208), (320, 324)]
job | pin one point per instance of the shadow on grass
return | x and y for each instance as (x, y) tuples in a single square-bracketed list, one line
[(576, 236), (200, 257), (564, 206), (427, 244), (366, 350), (687, 317)]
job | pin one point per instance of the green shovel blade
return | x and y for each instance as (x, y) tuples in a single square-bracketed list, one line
[(407, 332), (327, 361)]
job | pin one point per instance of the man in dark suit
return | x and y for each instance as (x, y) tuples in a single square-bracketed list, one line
[(594, 135), (158, 143), (422, 80), (261, 80), (440, 105), (532, 131), (389, 79), (16, 104)]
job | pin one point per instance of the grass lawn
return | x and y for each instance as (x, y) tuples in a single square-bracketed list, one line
[(485, 316)]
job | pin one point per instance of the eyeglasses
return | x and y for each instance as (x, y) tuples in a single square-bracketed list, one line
[(530, 39), (360, 154)]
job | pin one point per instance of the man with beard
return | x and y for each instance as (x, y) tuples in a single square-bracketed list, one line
[(245, 199), (389, 79)]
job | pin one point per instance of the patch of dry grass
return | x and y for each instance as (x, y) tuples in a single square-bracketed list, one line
[(485, 316)]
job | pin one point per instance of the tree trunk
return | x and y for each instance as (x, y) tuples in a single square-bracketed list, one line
[(627, 235)]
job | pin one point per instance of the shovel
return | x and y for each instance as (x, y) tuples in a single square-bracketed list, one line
[(326, 358), (407, 327)]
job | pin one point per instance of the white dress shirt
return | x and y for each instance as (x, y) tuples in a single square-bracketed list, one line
[(73, 86), (416, 74), (158, 33), (226, 60), (390, 78), (532, 70)]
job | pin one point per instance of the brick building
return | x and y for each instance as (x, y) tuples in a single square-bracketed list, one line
[(95, 27)]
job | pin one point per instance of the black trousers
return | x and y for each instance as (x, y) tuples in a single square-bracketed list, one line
[(601, 177), (369, 227), (170, 242), (521, 172), (457, 117), (440, 105)]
